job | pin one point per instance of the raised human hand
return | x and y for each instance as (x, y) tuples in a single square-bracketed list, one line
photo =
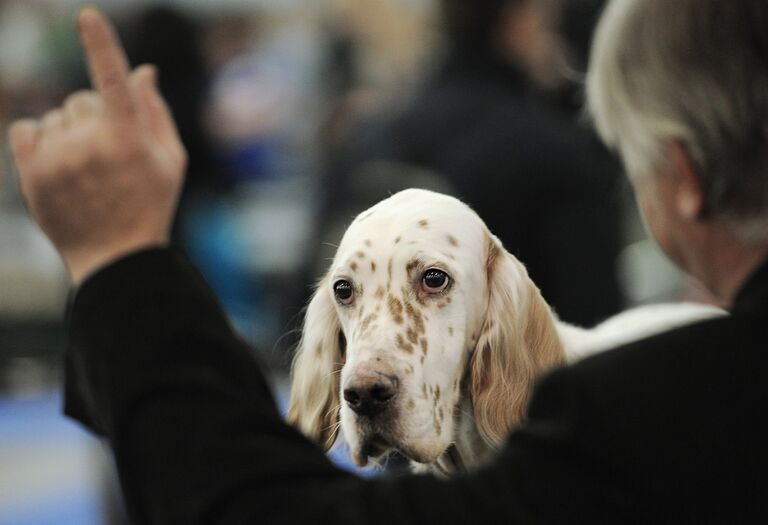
[(102, 174)]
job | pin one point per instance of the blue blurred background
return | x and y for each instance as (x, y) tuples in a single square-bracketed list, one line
[(298, 114)]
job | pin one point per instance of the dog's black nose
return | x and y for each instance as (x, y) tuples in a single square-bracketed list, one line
[(368, 396)]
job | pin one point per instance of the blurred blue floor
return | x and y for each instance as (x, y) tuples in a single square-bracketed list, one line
[(54, 472), (50, 468)]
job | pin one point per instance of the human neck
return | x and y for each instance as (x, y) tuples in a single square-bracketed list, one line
[(727, 264)]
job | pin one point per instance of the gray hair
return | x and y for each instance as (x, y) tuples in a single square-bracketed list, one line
[(694, 71)]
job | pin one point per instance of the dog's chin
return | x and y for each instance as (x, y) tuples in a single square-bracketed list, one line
[(375, 446), (419, 455)]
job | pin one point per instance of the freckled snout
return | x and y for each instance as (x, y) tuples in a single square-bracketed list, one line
[(370, 390)]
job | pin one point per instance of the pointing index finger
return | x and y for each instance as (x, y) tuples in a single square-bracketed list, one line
[(107, 63)]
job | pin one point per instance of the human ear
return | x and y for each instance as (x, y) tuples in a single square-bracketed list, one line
[(688, 197)]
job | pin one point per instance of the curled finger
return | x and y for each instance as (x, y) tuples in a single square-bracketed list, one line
[(82, 104), (53, 122)]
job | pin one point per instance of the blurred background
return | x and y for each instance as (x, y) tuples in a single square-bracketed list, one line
[(299, 114)]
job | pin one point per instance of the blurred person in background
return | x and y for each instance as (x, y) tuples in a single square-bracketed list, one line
[(172, 40), (485, 128)]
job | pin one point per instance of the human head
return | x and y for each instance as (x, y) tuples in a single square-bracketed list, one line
[(473, 23), (523, 32), (691, 74)]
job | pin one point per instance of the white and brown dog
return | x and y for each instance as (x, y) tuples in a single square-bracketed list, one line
[(426, 336)]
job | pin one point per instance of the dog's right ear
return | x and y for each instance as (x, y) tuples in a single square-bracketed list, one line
[(316, 372)]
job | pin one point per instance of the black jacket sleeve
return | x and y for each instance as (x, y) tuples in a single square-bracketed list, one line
[(154, 366)]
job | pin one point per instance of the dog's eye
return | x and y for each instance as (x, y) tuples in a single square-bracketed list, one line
[(344, 291), (435, 281)]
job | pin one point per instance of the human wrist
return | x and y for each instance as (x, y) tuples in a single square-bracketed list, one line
[(82, 265)]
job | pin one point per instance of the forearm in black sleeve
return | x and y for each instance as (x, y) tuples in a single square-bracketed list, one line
[(154, 366)]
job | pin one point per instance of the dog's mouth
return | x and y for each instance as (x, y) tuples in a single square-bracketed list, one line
[(377, 445), (373, 447)]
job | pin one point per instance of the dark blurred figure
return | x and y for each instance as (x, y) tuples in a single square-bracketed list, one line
[(172, 41), (539, 179), (576, 25)]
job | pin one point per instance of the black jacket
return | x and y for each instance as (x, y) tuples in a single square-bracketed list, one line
[(667, 430)]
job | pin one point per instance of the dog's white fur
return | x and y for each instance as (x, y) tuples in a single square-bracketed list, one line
[(464, 360)]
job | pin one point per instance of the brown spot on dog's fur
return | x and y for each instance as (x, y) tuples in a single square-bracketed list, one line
[(411, 404), (379, 293), (416, 317), (395, 307), (360, 255), (411, 335), (452, 240), (440, 415), (424, 390), (437, 392), (367, 322), (409, 310), (373, 266), (368, 243), (389, 271), (353, 266), (319, 350), (450, 331), (423, 223), (438, 430), (424, 346), (398, 239), (402, 345), (420, 299), (412, 264), (422, 359)]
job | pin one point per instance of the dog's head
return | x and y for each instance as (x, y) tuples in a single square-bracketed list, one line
[(421, 303)]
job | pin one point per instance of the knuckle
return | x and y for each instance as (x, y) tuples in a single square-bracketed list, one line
[(52, 118), (81, 99), (77, 96), (49, 115)]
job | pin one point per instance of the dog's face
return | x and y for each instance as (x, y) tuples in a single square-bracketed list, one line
[(391, 330), (409, 309)]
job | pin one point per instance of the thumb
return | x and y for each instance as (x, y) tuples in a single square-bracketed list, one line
[(151, 105), (23, 136)]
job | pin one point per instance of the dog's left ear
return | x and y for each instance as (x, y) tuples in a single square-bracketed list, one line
[(517, 343)]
